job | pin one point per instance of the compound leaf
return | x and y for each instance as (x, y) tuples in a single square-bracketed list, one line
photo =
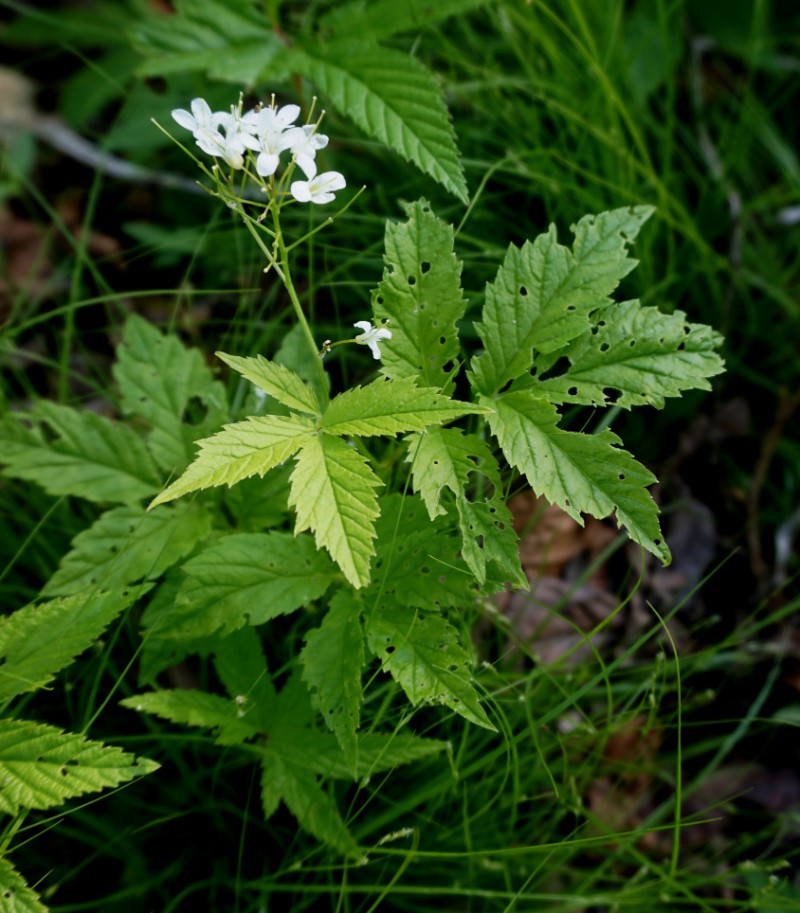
[(424, 656), (90, 456), (392, 97), (333, 660), (200, 709), (578, 472), (420, 299), (275, 380), (15, 894), (333, 492), (41, 766), (241, 450), (391, 406)]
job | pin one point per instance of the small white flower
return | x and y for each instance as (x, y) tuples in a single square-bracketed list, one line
[(371, 336), (270, 146), (319, 189), (214, 143), (304, 144), (276, 120), (243, 126), (201, 117)]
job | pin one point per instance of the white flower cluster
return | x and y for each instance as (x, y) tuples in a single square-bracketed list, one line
[(267, 132)]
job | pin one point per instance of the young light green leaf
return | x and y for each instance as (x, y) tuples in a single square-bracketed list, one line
[(423, 655), (200, 709), (90, 457), (286, 779), (420, 299), (641, 353), (41, 766), (578, 472), (392, 97), (241, 450), (333, 661), (246, 578), (391, 407), (128, 544), (383, 18), (276, 380), (39, 640), (15, 894), (543, 293), (157, 378), (333, 492)]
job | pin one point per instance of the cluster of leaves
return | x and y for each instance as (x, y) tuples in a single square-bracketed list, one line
[(223, 564)]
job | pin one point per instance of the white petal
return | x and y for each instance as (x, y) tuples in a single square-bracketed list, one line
[(307, 164), (287, 115), (300, 191), (184, 119), (201, 111), (267, 164), (364, 325)]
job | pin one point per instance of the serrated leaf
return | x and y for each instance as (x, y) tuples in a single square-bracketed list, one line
[(420, 299), (544, 293), (333, 661), (39, 640), (423, 655), (639, 352), (275, 380), (391, 407), (303, 795), (333, 492), (581, 473), (241, 450), (41, 766), (89, 456), (393, 98), (15, 894), (487, 534), (383, 18), (246, 578), (127, 544), (157, 378), (419, 560), (199, 709), (377, 752)]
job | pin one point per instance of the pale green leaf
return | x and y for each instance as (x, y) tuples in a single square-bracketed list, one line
[(77, 453), (382, 18), (638, 352), (333, 492), (581, 473), (157, 378), (392, 97), (419, 560), (15, 894), (242, 668), (390, 407), (39, 640), (241, 450), (41, 766), (333, 661), (275, 380), (200, 709), (246, 578), (301, 791), (128, 544), (544, 293), (423, 654), (419, 299), (377, 752)]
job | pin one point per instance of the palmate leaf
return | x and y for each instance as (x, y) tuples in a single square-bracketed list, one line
[(448, 459), (581, 473), (639, 352), (391, 407), (246, 578), (333, 661), (241, 450), (200, 709), (420, 299), (41, 766), (383, 18), (423, 654), (544, 293), (15, 894), (126, 544), (275, 380), (39, 640), (89, 456), (157, 378), (333, 492), (390, 96)]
